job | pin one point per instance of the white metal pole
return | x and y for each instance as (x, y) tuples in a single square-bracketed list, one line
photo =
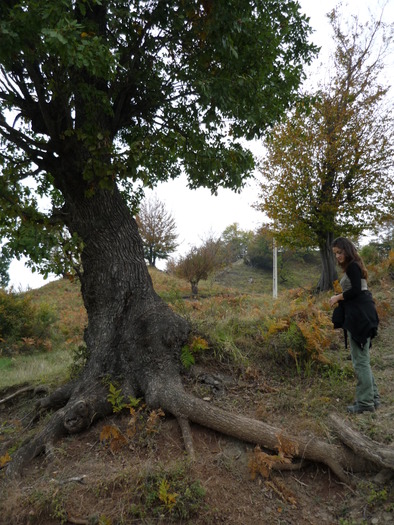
[(275, 270)]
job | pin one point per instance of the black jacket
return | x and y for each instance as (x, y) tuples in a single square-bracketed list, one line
[(357, 314)]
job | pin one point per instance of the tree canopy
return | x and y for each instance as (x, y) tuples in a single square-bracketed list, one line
[(136, 92), (329, 166), (235, 242), (5, 261)]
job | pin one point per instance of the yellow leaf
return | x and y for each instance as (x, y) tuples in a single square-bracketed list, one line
[(109, 432), (118, 443), (169, 499), (4, 459)]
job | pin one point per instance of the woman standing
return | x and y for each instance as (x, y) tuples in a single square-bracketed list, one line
[(360, 322)]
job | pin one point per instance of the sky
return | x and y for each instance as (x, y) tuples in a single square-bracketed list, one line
[(198, 214)]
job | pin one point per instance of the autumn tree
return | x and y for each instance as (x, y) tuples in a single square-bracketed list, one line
[(199, 263), (100, 99), (329, 166), (157, 229)]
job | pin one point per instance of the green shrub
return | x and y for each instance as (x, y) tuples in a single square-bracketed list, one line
[(295, 343), (24, 326), (375, 252)]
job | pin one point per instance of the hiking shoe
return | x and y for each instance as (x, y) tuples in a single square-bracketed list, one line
[(376, 403), (359, 409)]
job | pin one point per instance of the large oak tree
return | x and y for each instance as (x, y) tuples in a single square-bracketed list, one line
[(329, 166), (100, 98)]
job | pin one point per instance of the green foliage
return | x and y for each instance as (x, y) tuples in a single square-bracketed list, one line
[(135, 111), (80, 355), (5, 260), (115, 398), (188, 352), (24, 325), (5, 363), (320, 177), (187, 358), (171, 494), (235, 243), (377, 496), (199, 263), (259, 250), (295, 343), (337, 374), (375, 252)]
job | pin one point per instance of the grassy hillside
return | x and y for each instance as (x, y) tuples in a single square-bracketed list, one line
[(279, 361)]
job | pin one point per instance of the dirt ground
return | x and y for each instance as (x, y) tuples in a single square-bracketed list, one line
[(96, 478)]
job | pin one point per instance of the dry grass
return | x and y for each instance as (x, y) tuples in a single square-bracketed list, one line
[(47, 368)]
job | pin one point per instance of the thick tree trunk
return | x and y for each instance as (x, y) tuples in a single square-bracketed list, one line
[(328, 268), (132, 335)]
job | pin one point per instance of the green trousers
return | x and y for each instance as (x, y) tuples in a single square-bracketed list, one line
[(366, 391)]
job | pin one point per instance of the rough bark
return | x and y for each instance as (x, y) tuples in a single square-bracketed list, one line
[(132, 337), (379, 454), (328, 269)]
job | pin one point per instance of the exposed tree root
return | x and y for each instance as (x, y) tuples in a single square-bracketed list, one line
[(42, 442), (378, 453), (29, 388), (187, 437), (73, 418), (339, 458), (57, 399), (355, 453)]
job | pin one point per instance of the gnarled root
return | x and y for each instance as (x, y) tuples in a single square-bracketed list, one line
[(42, 442), (355, 453), (24, 390), (78, 414), (57, 399), (338, 457)]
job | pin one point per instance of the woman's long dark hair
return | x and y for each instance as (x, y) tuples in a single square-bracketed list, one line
[(351, 254)]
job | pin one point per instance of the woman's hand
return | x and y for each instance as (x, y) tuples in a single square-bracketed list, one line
[(335, 299)]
